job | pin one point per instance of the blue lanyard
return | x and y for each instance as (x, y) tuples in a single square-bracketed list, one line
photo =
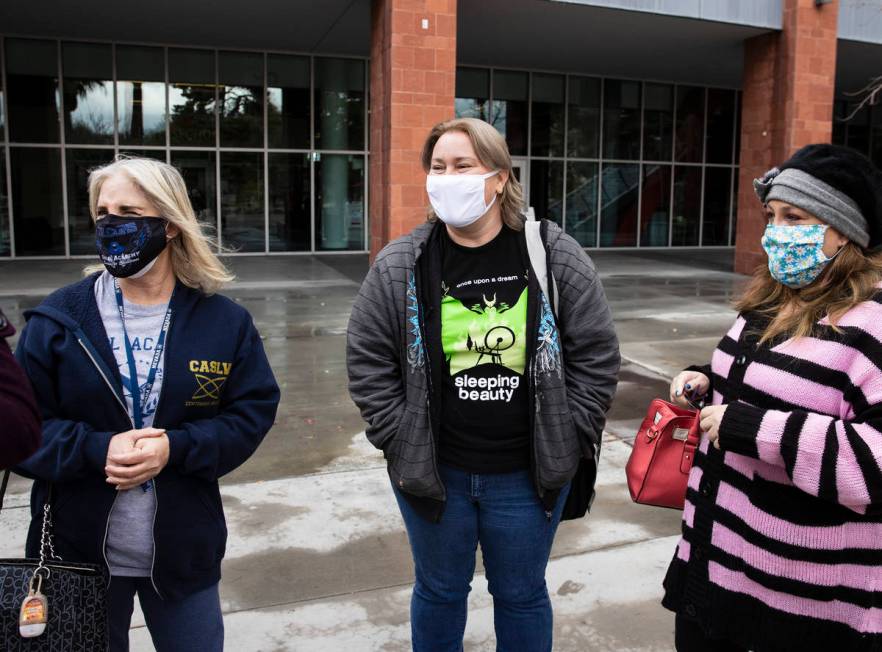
[(139, 397)]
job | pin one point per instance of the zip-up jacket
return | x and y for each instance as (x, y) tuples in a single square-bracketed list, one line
[(573, 365), (218, 400), (20, 426)]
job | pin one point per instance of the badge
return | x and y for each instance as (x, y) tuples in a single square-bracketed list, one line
[(34, 610)]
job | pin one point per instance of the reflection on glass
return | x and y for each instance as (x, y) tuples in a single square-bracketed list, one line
[(88, 92), (37, 201), (690, 124), (509, 111), (583, 121), (720, 125), (157, 154), (734, 208), (140, 95), (547, 118), (655, 206), (32, 90), (876, 149), (198, 170), (242, 224), (839, 113), (339, 202), (717, 188), (191, 97), (546, 189), (288, 101), (289, 208), (5, 245), (619, 186), (472, 93), (340, 104), (621, 119), (857, 135), (581, 220), (241, 89), (658, 122), (687, 206), (79, 221)]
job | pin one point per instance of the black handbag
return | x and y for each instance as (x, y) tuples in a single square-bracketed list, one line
[(76, 596)]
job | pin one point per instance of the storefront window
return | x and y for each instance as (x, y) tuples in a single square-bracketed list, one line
[(720, 125), (37, 204), (621, 120), (288, 101), (690, 124), (5, 244), (619, 185), (509, 113), (140, 95), (88, 93), (339, 202), (79, 221), (717, 189), (583, 119), (857, 135), (289, 203), (687, 206), (658, 122), (655, 205), (32, 90), (547, 118), (546, 189), (198, 170), (191, 97), (242, 210), (876, 146), (241, 99), (472, 93), (581, 222), (340, 104)]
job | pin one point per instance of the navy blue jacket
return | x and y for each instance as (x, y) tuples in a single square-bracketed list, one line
[(218, 400)]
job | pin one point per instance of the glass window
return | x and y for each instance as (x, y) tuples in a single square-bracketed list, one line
[(5, 245), (79, 220), (242, 210), (546, 189), (717, 188), (339, 202), (198, 170), (547, 117), (87, 70), (737, 127), (158, 154), (241, 89), (687, 206), (690, 124), (619, 185), (509, 111), (621, 119), (37, 201), (191, 98), (655, 206), (658, 122), (288, 101), (734, 219), (720, 125), (857, 129), (876, 149), (140, 95), (581, 220), (289, 202), (2, 107), (583, 121), (472, 93), (32, 91), (340, 104), (839, 113)]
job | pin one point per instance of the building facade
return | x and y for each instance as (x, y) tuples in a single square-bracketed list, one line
[(632, 123)]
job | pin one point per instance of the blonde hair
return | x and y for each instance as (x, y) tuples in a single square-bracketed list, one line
[(850, 278), (192, 251), (492, 151)]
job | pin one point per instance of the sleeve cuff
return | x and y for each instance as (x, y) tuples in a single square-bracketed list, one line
[(739, 429), (177, 449), (96, 447)]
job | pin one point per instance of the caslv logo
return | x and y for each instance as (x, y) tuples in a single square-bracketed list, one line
[(210, 376)]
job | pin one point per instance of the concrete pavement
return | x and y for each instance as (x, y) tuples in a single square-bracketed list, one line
[(318, 558)]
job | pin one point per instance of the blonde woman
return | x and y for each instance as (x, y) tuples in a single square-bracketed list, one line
[(152, 387), (481, 398)]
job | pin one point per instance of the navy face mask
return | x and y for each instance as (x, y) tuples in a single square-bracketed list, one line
[(127, 245)]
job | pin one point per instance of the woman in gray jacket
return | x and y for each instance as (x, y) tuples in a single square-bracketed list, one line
[(485, 381)]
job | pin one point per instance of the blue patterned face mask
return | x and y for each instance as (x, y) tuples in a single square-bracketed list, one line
[(796, 257)]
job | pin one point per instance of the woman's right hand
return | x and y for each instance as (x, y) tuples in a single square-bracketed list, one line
[(691, 384)]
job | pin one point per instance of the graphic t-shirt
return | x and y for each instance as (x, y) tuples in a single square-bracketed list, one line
[(485, 415)]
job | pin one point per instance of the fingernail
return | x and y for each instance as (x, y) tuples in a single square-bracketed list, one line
[(678, 392), (688, 386)]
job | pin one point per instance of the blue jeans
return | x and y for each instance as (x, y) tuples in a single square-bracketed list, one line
[(193, 624), (503, 513)]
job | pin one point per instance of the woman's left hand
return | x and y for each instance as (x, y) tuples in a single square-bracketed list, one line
[(144, 462), (711, 418)]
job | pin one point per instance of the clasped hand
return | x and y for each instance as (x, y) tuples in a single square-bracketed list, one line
[(695, 384), (136, 456)]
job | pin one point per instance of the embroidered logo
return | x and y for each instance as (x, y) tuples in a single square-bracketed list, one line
[(210, 376)]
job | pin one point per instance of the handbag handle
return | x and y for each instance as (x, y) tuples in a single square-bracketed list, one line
[(47, 543)]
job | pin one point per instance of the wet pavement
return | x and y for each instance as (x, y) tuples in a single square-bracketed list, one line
[(318, 559)]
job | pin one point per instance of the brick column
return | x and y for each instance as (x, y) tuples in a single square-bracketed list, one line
[(788, 85), (413, 74)]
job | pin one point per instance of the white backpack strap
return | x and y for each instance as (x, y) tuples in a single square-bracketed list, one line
[(536, 252)]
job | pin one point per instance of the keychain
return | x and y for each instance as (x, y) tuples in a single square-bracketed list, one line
[(34, 609)]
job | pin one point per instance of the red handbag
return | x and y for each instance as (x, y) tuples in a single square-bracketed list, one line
[(662, 455)]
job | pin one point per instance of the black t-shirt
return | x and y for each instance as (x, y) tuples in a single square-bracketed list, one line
[(485, 426)]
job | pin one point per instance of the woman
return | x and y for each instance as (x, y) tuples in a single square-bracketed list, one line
[(481, 400), (152, 387), (20, 430), (782, 530)]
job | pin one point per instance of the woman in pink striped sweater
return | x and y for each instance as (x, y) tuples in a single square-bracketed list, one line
[(782, 529)]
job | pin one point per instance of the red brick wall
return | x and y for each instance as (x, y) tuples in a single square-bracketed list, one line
[(413, 76), (788, 83)]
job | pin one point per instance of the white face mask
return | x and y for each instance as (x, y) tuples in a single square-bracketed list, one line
[(458, 199)]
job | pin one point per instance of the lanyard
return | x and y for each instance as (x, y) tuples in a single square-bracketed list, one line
[(139, 397)]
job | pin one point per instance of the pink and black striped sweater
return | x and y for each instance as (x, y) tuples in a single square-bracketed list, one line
[(782, 529)]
